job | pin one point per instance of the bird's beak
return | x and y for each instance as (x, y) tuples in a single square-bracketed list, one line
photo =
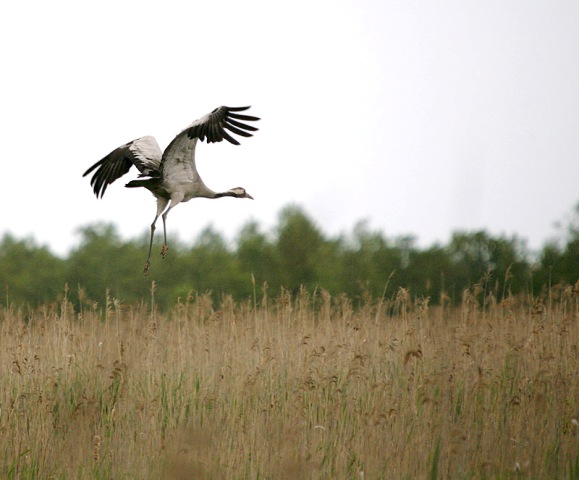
[(247, 195)]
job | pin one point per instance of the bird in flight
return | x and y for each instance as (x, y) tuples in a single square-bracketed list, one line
[(171, 176)]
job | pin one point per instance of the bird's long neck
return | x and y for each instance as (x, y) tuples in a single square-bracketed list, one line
[(224, 194), (201, 190)]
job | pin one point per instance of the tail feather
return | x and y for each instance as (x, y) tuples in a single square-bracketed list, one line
[(154, 185), (138, 183)]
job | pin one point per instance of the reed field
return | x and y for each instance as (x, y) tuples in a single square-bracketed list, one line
[(303, 386)]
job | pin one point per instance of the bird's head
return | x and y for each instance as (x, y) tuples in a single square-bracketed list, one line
[(239, 192)]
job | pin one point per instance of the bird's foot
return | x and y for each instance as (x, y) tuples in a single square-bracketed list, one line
[(147, 266), (164, 250)]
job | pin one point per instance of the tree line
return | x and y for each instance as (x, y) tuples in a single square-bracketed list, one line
[(296, 253)]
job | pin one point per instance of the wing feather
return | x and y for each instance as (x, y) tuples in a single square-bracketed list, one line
[(221, 124), (144, 153), (238, 131), (242, 125), (229, 138), (212, 126), (243, 117)]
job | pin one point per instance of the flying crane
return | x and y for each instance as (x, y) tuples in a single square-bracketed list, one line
[(171, 176)]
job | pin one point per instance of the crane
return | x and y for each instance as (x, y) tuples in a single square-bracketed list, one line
[(171, 176)]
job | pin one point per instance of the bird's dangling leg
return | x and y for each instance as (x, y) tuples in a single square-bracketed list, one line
[(175, 199), (165, 247), (148, 262), (161, 204)]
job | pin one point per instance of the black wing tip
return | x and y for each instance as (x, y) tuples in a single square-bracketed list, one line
[(248, 118), (90, 169), (230, 109), (98, 192), (239, 109)]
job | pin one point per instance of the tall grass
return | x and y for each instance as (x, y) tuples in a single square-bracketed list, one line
[(292, 387)]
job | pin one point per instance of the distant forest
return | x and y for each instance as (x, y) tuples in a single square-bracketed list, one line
[(361, 264)]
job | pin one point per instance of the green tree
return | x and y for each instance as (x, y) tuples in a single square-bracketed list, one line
[(29, 274), (501, 263), (257, 255), (103, 262), (560, 264), (368, 262), (427, 271), (298, 245), (210, 266)]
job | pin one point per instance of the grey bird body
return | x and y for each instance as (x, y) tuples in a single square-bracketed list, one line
[(172, 176)]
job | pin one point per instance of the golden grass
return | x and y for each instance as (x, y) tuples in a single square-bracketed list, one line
[(292, 388)]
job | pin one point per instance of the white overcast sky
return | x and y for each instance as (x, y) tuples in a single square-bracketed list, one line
[(423, 117)]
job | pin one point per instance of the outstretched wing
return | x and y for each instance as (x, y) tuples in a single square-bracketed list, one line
[(144, 153), (214, 125), (178, 162)]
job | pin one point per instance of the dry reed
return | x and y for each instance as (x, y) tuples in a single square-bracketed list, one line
[(291, 388)]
